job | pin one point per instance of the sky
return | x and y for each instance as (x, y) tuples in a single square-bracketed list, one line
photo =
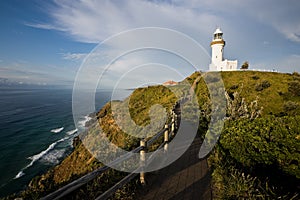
[(48, 42)]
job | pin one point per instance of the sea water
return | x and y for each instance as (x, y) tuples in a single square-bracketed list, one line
[(36, 132)]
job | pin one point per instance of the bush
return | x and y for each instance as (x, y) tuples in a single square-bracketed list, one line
[(268, 142), (233, 182), (294, 88), (263, 85), (290, 106), (245, 65), (257, 159), (296, 74), (259, 87), (234, 87)]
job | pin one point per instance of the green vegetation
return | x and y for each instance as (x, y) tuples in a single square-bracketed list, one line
[(294, 88), (245, 65), (257, 156), (270, 141), (143, 98), (258, 159)]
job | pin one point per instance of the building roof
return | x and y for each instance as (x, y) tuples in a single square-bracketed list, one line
[(170, 82)]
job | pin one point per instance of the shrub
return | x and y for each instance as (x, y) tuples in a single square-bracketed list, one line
[(296, 74), (268, 142), (263, 85), (259, 87), (245, 65), (233, 182), (290, 106), (255, 77), (234, 87), (294, 88)]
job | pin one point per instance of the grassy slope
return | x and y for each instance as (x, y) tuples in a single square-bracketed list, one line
[(80, 160), (271, 98)]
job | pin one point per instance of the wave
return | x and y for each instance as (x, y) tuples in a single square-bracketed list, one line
[(38, 156), (20, 174), (72, 132), (54, 156), (84, 121), (57, 130)]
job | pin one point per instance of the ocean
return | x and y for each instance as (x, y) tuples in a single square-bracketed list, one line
[(36, 132)]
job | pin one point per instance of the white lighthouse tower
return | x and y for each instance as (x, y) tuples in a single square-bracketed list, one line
[(217, 60)]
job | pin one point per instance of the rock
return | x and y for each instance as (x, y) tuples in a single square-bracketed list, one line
[(76, 141)]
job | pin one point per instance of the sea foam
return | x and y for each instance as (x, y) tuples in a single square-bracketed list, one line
[(38, 156), (53, 156), (72, 132), (20, 174), (85, 120), (57, 130)]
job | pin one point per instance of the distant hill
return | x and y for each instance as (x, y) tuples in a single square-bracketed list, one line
[(277, 95), (6, 83)]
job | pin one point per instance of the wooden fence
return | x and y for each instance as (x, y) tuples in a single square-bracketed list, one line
[(168, 132)]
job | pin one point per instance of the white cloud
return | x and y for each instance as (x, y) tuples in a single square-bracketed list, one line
[(94, 21), (283, 16), (123, 65), (44, 26), (74, 56)]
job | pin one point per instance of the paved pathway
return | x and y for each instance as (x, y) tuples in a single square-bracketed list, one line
[(187, 178)]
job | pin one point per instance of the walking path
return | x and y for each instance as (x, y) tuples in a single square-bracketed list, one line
[(187, 178)]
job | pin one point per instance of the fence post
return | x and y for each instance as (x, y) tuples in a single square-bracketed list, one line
[(166, 137), (176, 121), (173, 124), (142, 161)]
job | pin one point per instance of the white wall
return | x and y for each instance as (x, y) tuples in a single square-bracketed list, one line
[(217, 54)]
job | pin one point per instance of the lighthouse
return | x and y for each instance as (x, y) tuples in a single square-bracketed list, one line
[(217, 54)]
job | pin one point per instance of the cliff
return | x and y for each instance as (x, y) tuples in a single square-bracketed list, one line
[(276, 94)]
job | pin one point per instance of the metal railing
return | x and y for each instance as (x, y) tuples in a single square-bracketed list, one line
[(168, 131)]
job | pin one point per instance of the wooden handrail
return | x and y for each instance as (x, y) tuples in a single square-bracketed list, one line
[(108, 193), (65, 190)]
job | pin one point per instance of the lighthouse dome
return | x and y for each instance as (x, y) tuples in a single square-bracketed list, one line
[(218, 31)]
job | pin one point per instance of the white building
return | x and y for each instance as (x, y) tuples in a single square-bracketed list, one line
[(217, 60)]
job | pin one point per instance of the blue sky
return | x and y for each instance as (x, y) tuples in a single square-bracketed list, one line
[(46, 41)]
